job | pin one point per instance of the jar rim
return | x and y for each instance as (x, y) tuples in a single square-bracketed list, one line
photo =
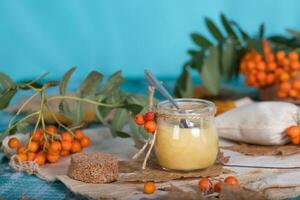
[(201, 107)]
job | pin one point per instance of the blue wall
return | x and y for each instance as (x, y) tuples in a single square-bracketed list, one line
[(38, 36)]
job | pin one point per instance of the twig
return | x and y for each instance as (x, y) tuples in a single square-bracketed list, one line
[(149, 151), (141, 150)]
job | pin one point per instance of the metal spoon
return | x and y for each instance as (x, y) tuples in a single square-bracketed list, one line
[(155, 83)]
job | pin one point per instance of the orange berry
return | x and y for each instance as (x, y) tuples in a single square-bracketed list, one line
[(85, 142), (261, 76), (55, 147), (295, 140), (64, 153), (31, 156), (293, 93), (270, 57), (257, 58), (282, 94), (296, 85), (250, 65), (40, 158), (21, 150), (22, 157), (66, 136), (271, 79), (205, 185), (52, 158), (51, 130), (285, 86), (284, 76), (149, 116), (293, 55), (33, 146), (293, 131), (66, 145), (231, 180), (13, 143), (79, 134), (217, 187), (150, 126), (76, 147), (139, 119), (280, 55), (261, 66), (149, 187), (271, 66), (294, 65), (285, 62), (37, 135)]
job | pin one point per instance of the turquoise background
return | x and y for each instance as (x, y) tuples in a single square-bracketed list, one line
[(107, 35)]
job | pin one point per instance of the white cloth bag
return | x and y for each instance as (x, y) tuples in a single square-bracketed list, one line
[(261, 123)]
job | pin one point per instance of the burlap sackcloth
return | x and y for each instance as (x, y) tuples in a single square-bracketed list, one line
[(275, 183)]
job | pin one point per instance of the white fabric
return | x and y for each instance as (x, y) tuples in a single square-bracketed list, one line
[(261, 123)]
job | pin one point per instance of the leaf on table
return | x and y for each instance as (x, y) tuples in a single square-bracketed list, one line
[(121, 117), (230, 192), (259, 150), (210, 72)]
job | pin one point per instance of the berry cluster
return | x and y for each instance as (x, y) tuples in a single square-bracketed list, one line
[(272, 68), (206, 186), (148, 121), (49, 145)]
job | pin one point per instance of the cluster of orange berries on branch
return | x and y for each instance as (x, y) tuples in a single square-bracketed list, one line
[(148, 121), (271, 68), (50, 145), (206, 186)]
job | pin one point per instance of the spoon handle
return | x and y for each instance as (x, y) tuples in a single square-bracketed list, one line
[(155, 83)]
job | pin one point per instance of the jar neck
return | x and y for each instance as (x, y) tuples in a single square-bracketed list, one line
[(190, 108)]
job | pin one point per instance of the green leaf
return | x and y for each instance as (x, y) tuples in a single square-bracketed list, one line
[(63, 106), (7, 90), (137, 132), (134, 108), (6, 96), (294, 33), (229, 59), (214, 30), (89, 85), (261, 31), (184, 84), (201, 40), (121, 134), (255, 44), (245, 36), (210, 72), (113, 83), (121, 117), (228, 27), (64, 82)]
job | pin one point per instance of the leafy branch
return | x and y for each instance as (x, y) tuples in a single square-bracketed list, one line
[(216, 60), (106, 99)]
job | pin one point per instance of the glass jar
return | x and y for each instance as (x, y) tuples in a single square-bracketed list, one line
[(182, 147)]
